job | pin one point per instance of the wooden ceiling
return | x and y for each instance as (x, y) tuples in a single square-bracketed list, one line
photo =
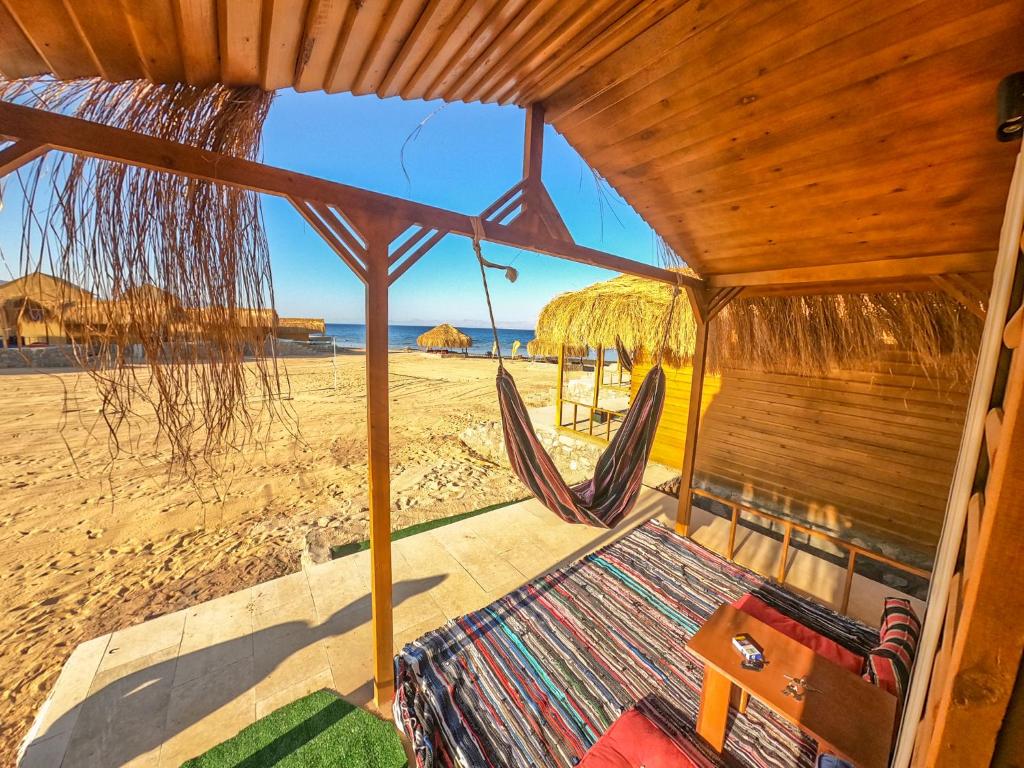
[(753, 135)]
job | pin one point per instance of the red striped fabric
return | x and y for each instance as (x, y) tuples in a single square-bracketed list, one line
[(606, 498)]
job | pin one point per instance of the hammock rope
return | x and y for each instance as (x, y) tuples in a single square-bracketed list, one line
[(605, 499)]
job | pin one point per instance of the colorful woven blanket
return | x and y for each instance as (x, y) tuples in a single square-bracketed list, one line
[(537, 676)]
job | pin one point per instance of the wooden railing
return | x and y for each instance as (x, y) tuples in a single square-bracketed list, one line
[(854, 551), (592, 409)]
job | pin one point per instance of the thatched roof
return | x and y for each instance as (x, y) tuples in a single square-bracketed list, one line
[(797, 334), (444, 336), (546, 348)]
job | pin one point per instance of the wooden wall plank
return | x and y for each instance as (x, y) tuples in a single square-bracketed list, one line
[(866, 451)]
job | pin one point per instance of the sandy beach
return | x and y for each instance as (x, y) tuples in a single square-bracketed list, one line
[(88, 547)]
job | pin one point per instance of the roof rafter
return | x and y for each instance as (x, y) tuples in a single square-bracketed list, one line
[(91, 139)]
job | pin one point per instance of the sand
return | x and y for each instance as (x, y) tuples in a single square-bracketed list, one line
[(87, 547)]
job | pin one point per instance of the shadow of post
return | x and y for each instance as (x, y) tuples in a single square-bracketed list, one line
[(128, 716)]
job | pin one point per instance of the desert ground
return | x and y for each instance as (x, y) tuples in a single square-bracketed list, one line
[(89, 545)]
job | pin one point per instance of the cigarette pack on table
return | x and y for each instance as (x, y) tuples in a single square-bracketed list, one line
[(747, 648)]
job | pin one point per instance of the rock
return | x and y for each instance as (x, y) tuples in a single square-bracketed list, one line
[(317, 548), (323, 521)]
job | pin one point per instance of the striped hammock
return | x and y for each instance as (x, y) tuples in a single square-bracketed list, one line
[(611, 493)]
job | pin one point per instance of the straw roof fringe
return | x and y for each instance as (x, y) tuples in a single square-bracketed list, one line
[(544, 348), (160, 247), (796, 334), (444, 336)]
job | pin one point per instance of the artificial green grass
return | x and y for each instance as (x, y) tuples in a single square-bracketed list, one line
[(358, 546), (320, 730)]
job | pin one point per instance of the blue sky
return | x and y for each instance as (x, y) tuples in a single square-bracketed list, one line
[(463, 158)]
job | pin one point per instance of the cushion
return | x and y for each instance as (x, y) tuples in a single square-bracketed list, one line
[(633, 741), (890, 661), (793, 629)]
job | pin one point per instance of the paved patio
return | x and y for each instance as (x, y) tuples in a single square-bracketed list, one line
[(160, 692)]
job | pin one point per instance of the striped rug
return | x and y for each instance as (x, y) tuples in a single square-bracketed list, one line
[(537, 676)]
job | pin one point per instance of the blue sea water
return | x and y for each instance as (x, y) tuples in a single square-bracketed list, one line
[(404, 336)]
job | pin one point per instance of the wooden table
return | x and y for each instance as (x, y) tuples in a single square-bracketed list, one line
[(849, 716)]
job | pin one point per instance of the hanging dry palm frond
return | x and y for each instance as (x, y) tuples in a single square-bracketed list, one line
[(177, 271)]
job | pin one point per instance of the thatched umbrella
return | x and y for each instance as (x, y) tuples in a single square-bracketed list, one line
[(445, 337), (795, 334)]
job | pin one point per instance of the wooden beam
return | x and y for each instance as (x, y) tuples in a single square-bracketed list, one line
[(379, 466), (90, 139), (1012, 332), (341, 250), (961, 291), (18, 154), (990, 636), (882, 269), (700, 354)]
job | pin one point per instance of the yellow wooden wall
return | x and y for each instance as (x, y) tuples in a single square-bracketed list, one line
[(866, 451)]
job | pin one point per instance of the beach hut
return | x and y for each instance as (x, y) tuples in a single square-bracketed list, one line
[(36, 308), (443, 338), (819, 151), (821, 412)]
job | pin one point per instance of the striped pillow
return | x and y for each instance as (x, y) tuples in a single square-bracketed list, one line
[(889, 663)]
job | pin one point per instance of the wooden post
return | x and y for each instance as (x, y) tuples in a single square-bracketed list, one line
[(561, 381), (598, 371), (989, 638), (700, 354), (533, 157), (378, 444)]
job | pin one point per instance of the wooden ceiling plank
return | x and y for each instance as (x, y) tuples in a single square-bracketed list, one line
[(433, 60), (472, 37), (358, 35), (527, 23), (53, 35), (588, 91), (887, 269), (154, 33), (196, 21), (792, 67), (324, 21), (281, 38), (18, 57), (872, 153), (417, 45), (239, 25), (682, 77), (944, 186), (341, 45), (560, 39), (389, 43), (103, 27), (561, 69)]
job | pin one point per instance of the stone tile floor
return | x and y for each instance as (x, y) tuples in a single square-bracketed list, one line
[(166, 690)]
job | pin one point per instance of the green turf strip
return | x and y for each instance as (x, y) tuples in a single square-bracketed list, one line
[(358, 546), (320, 730)]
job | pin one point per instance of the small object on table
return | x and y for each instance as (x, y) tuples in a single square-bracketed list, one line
[(848, 716)]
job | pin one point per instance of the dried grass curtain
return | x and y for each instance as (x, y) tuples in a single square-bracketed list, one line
[(178, 270)]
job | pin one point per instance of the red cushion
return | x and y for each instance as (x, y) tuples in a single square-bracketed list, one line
[(633, 741), (806, 636)]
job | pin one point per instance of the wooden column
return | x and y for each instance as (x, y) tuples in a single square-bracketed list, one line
[(377, 420), (561, 383), (533, 156), (989, 638), (700, 354)]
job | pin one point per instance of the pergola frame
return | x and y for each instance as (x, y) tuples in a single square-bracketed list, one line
[(379, 237)]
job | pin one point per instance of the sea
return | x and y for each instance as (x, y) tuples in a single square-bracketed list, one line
[(404, 337)]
